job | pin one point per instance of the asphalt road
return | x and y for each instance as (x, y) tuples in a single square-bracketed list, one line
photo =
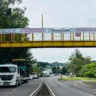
[(85, 87), (23, 90), (63, 89)]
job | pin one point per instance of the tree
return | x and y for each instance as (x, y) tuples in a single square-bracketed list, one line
[(42, 64), (76, 61), (13, 18), (87, 60), (88, 70), (64, 70), (54, 70), (58, 70)]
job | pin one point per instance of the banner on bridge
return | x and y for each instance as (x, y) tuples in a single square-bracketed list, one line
[(46, 30), (71, 30), (8, 31)]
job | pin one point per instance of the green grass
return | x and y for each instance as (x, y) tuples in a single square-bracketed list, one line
[(77, 78)]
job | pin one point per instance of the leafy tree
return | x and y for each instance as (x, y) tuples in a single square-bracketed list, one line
[(13, 17), (87, 60), (88, 70), (42, 64), (58, 70), (64, 70), (76, 61), (54, 70)]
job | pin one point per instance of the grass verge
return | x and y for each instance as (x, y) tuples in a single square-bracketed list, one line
[(78, 78)]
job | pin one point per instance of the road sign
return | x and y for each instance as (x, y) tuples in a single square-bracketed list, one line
[(78, 34)]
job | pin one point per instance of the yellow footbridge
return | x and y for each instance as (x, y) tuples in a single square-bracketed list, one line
[(48, 40)]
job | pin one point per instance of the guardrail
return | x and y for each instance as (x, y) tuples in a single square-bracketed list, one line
[(21, 37)]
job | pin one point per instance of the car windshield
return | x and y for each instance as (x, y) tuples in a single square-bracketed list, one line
[(33, 73), (7, 69)]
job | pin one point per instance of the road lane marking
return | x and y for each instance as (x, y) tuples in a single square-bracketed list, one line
[(36, 89), (50, 89), (75, 84), (4, 93), (12, 92), (7, 94), (30, 83)]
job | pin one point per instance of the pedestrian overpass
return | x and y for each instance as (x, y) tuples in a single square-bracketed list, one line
[(47, 37)]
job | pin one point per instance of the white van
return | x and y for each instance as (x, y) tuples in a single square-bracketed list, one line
[(35, 76)]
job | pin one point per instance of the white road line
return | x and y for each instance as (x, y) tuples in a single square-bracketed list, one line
[(4, 93), (12, 92), (75, 84), (7, 94), (36, 89), (50, 89)]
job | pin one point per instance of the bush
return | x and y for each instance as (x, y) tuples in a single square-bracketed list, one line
[(89, 74), (88, 70)]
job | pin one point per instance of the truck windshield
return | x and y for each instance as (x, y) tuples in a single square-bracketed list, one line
[(7, 69)]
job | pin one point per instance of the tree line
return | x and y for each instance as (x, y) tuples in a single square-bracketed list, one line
[(82, 66)]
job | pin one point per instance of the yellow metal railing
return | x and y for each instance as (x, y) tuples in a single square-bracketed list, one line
[(16, 37)]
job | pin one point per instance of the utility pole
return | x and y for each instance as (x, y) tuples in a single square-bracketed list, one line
[(42, 21)]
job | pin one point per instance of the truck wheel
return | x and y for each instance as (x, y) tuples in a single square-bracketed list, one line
[(17, 83), (26, 81)]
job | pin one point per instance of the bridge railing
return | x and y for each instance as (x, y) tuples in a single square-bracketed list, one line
[(71, 36)]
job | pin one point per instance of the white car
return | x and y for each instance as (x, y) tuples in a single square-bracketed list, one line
[(52, 75), (35, 76), (30, 77)]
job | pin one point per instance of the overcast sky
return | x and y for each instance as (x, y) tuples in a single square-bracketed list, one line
[(61, 13)]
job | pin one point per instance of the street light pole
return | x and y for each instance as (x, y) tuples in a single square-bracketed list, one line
[(42, 21)]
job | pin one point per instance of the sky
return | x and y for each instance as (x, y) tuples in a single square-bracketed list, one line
[(60, 13)]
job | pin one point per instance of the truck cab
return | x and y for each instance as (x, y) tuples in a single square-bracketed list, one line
[(9, 75)]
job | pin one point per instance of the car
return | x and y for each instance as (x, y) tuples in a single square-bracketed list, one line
[(35, 75), (30, 77), (51, 75)]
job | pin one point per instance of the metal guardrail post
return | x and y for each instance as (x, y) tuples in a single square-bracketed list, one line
[(42, 36), (0, 37), (73, 35), (80, 36), (83, 36), (12, 37), (4, 37), (89, 36), (52, 38), (62, 36), (22, 37), (32, 36), (70, 36), (94, 36)]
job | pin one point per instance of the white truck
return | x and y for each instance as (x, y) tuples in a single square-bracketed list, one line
[(46, 73), (10, 75)]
